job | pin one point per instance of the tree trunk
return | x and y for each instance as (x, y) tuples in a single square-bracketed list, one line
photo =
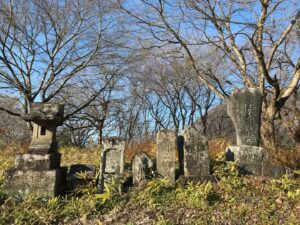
[(268, 134), (100, 132)]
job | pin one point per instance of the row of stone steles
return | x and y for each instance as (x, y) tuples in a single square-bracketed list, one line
[(38, 171), (195, 163), (244, 108), (192, 147)]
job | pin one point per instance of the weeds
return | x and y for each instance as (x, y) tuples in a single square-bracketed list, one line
[(232, 198)]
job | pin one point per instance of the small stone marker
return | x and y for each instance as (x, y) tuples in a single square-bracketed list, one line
[(141, 168), (38, 171), (112, 161), (196, 159), (244, 108), (166, 154)]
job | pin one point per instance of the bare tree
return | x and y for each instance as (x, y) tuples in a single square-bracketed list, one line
[(76, 132), (46, 44), (251, 44), (290, 116), (9, 135), (172, 95)]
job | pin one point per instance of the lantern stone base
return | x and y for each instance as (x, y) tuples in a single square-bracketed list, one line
[(42, 183)]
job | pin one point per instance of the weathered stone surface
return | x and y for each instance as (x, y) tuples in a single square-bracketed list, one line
[(166, 154), (112, 161), (254, 160), (244, 108), (196, 159), (41, 112), (43, 138), (38, 161), (44, 183), (141, 168)]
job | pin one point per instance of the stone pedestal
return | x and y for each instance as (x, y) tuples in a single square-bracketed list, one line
[(38, 172), (42, 183), (254, 160)]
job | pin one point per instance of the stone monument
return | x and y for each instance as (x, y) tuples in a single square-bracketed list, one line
[(196, 159), (38, 171), (244, 108), (141, 168), (166, 154), (112, 162)]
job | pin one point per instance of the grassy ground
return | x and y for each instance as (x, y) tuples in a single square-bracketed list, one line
[(230, 199)]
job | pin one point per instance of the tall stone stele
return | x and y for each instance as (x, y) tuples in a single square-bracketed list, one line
[(38, 171), (166, 144), (244, 107), (196, 159), (112, 162)]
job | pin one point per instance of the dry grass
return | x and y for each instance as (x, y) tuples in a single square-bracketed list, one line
[(288, 157), (217, 147), (141, 145), (13, 150), (71, 155), (233, 199)]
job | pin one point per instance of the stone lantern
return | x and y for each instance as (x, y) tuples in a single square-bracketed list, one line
[(38, 171)]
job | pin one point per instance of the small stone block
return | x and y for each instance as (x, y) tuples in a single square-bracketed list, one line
[(45, 148)]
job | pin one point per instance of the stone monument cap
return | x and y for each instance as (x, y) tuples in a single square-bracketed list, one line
[(112, 142), (42, 112)]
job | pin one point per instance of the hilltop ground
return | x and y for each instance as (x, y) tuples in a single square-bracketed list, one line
[(229, 199)]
